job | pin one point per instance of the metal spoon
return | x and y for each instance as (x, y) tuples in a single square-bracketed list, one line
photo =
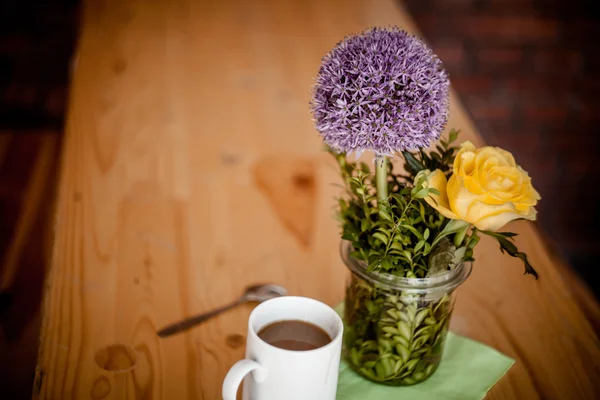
[(256, 293)]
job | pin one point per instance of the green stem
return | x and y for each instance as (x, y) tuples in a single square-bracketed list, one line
[(381, 163), (387, 248)]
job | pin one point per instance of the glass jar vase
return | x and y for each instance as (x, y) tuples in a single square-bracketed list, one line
[(396, 327)]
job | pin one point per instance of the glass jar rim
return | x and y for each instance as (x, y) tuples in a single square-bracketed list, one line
[(447, 281)]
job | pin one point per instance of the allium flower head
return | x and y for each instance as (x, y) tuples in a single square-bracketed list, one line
[(382, 90)]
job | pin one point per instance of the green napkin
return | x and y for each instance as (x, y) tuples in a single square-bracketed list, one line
[(467, 371)]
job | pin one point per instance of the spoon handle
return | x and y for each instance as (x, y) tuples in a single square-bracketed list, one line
[(195, 320)]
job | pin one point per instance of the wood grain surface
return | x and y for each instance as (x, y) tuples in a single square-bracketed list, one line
[(191, 168)]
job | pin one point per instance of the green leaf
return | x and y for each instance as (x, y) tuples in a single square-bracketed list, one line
[(453, 136), (385, 232), (511, 249), (453, 226), (403, 341), (426, 234), (421, 194), (398, 366), (365, 168), (354, 356), (383, 206), (388, 366), (390, 329), (507, 234), (427, 248), (396, 243), (460, 236), (417, 343), (393, 313), (411, 365), (423, 331), (473, 240), (380, 371), (419, 245), (421, 316), (418, 353), (385, 215), (404, 330), (402, 352), (411, 302), (413, 230), (373, 265), (368, 372), (364, 225), (386, 264), (380, 236), (348, 236), (412, 162)]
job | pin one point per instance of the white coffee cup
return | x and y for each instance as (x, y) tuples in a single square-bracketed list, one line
[(272, 373)]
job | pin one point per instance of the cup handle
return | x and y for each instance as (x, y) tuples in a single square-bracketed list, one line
[(235, 375)]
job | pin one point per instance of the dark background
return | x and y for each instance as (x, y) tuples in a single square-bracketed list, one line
[(528, 72)]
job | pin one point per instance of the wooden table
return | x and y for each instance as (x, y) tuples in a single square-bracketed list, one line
[(191, 168)]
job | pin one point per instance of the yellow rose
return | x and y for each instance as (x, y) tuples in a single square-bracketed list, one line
[(487, 188)]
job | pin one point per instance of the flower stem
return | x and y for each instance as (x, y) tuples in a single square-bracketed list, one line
[(381, 163)]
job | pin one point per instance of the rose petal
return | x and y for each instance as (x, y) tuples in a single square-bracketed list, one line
[(437, 180), (460, 197), (493, 222)]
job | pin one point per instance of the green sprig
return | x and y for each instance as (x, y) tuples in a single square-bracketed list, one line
[(441, 158), (387, 220), (506, 245)]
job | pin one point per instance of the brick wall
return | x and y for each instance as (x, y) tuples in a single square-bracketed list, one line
[(36, 44), (529, 74)]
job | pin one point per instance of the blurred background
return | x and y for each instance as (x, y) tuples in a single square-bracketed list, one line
[(527, 71)]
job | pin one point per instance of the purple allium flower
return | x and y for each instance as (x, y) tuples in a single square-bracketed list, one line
[(382, 90)]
